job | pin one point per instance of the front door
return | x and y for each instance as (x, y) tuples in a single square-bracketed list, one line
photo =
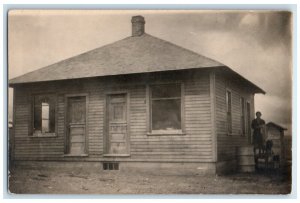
[(117, 124), (76, 124)]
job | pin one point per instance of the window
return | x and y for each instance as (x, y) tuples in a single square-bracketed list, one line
[(43, 114), (165, 108), (229, 112), (243, 123), (248, 121)]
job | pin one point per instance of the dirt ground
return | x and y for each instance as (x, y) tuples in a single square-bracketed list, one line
[(56, 181)]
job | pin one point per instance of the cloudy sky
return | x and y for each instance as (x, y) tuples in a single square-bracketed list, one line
[(255, 44)]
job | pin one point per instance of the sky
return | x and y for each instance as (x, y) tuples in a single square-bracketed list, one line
[(257, 45)]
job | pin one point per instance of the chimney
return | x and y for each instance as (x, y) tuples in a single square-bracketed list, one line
[(138, 26)]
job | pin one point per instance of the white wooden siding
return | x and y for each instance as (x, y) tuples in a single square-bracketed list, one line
[(226, 144), (194, 146)]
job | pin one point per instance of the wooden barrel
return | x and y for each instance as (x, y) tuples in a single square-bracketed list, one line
[(245, 159)]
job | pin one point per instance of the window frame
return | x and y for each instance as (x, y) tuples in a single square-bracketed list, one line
[(248, 124), (149, 111), (243, 115), (33, 133), (229, 133)]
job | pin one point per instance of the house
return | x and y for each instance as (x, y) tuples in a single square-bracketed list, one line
[(275, 133), (140, 102)]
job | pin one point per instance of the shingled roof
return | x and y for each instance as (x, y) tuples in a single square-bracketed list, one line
[(140, 53), (130, 55)]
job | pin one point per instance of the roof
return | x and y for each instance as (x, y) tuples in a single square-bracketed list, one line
[(143, 54), (276, 126)]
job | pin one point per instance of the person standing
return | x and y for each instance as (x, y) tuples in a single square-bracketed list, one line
[(258, 126)]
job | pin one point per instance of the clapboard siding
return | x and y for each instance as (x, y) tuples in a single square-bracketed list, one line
[(195, 145), (226, 144), (95, 122), (27, 147)]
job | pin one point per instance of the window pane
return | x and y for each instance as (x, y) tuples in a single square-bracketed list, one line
[(242, 106), (248, 122), (166, 90), (166, 114), (229, 123), (45, 117), (228, 100), (228, 105), (243, 115), (52, 117), (44, 113), (243, 125), (37, 118)]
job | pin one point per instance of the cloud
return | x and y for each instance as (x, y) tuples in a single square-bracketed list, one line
[(269, 28), (249, 20)]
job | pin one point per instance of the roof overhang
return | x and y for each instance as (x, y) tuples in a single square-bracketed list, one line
[(276, 125), (223, 69), (226, 71)]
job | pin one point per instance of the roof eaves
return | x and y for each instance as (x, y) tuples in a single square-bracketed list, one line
[(276, 125), (258, 89)]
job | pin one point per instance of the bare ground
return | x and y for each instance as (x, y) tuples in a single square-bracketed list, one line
[(56, 181)]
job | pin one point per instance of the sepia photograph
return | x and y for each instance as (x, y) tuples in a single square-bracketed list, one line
[(150, 102)]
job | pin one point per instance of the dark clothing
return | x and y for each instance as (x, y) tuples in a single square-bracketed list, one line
[(257, 125)]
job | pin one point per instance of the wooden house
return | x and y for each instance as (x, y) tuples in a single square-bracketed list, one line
[(275, 133), (140, 102)]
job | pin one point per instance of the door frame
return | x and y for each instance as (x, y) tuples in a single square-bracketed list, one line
[(106, 114), (67, 96)]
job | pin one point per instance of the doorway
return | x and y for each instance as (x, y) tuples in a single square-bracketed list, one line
[(76, 125), (117, 117)]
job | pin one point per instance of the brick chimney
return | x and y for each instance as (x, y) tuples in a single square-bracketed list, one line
[(138, 26)]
